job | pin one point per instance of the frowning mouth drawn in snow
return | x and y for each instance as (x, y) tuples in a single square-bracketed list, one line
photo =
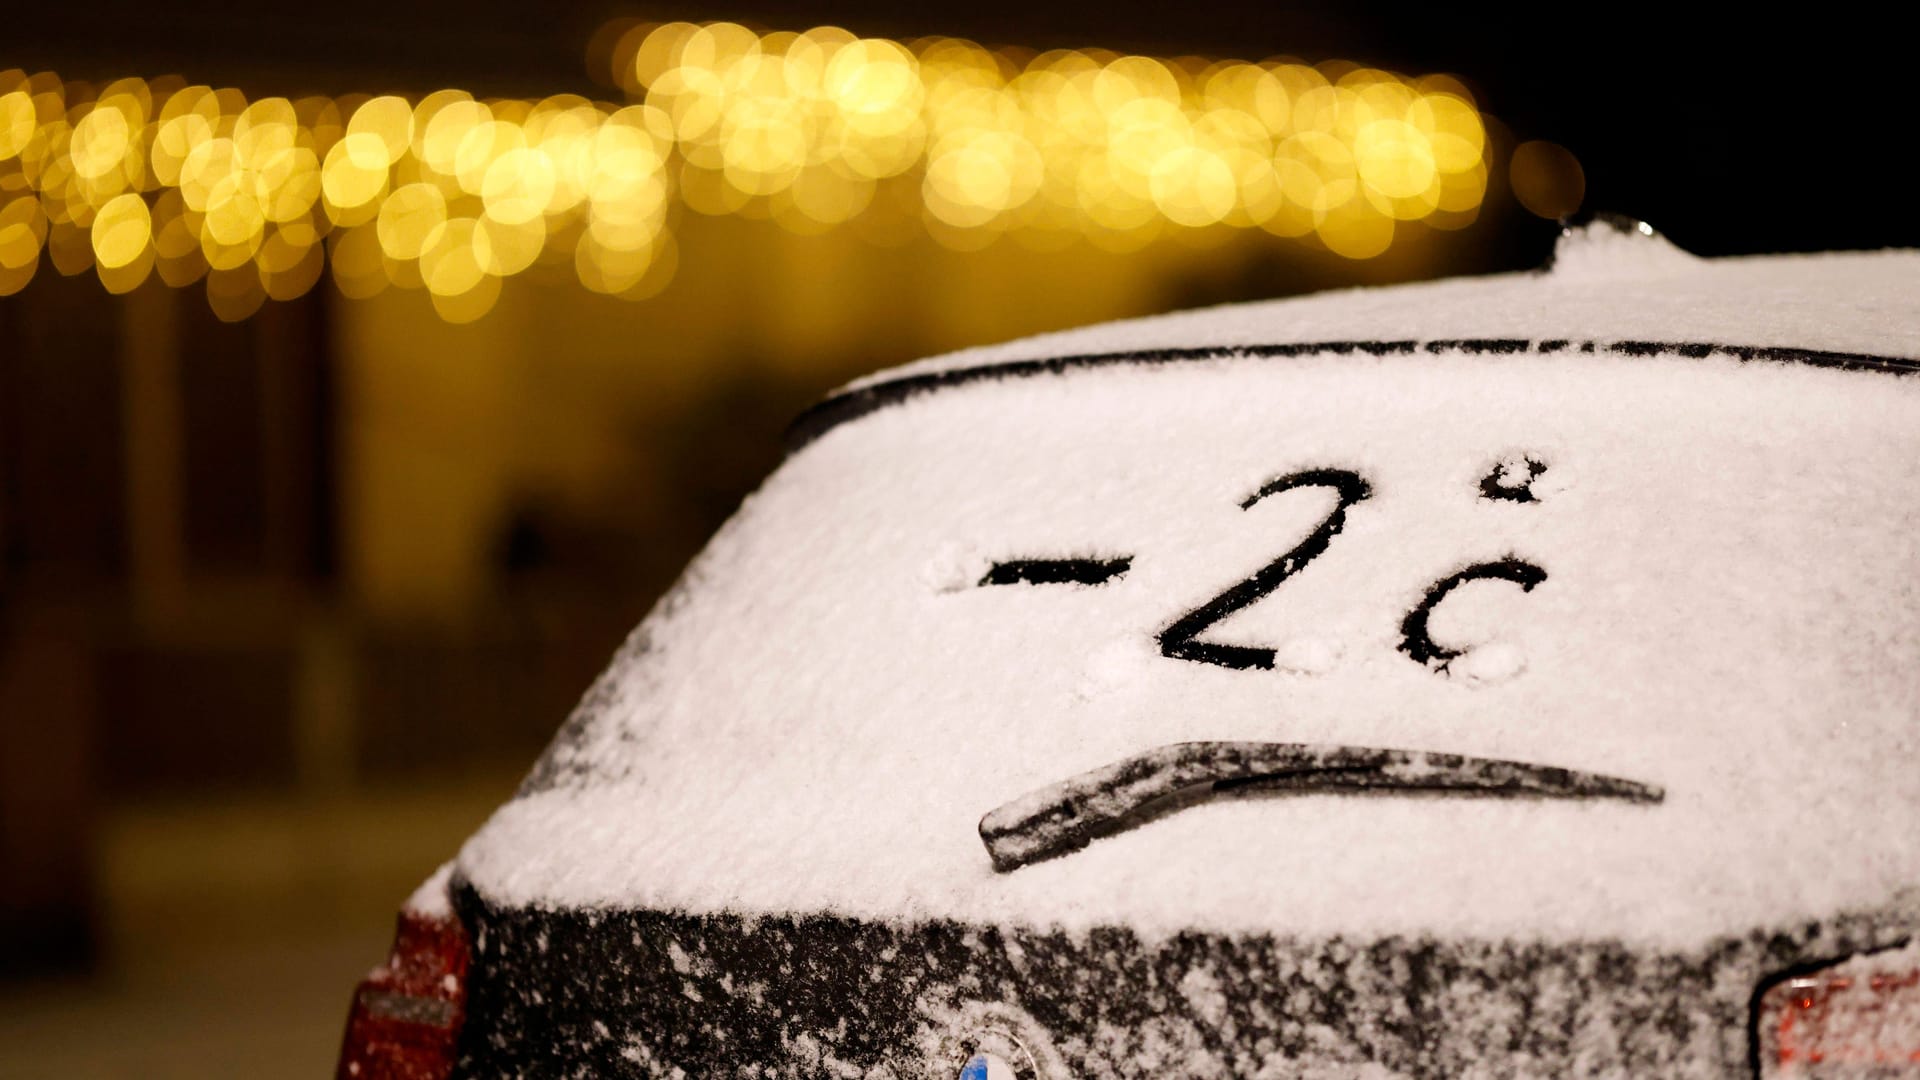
[(1067, 816)]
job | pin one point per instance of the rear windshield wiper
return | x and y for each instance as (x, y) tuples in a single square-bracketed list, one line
[(1067, 816)]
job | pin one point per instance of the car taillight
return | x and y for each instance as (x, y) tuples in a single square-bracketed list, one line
[(407, 1012), (1857, 1018)]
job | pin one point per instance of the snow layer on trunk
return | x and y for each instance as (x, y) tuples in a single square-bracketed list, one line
[(1727, 607)]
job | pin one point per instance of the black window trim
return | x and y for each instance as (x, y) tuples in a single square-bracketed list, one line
[(853, 404)]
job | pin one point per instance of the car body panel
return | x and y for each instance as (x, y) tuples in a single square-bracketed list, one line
[(1646, 518), (654, 994)]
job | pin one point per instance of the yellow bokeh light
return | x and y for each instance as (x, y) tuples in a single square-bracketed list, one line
[(388, 119), (829, 199), (410, 220), (13, 279), (1461, 193), (289, 184), (1193, 187), (175, 141), (127, 277), (631, 274), (224, 256), (706, 191), (480, 148), (1394, 158), (234, 216), (235, 294), (439, 148), (468, 306), (509, 248), (1547, 179), (288, 267), (175, 243), (457, 258), (874, 85), (69, 247), (209, 163), (968, 186), (1350, 230), (122, 231), (100, 141), (18, 121), (23, 229), (355, 257), (518, 186), (660, 51), (813, 130), (355, 172)]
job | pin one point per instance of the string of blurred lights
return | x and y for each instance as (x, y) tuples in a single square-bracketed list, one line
[(814, 130)]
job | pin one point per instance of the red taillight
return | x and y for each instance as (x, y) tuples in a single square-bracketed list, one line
[(407, 1012), (1862, 1013)]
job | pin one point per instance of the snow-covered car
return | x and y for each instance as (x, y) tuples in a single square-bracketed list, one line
[(1506, 677)]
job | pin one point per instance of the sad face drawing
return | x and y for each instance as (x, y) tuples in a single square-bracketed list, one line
[(1067, 815)]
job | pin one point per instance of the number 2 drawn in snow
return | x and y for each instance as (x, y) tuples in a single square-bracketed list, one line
[(1181, 639)]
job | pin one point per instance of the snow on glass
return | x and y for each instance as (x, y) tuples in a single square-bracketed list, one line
[(808, 731)]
